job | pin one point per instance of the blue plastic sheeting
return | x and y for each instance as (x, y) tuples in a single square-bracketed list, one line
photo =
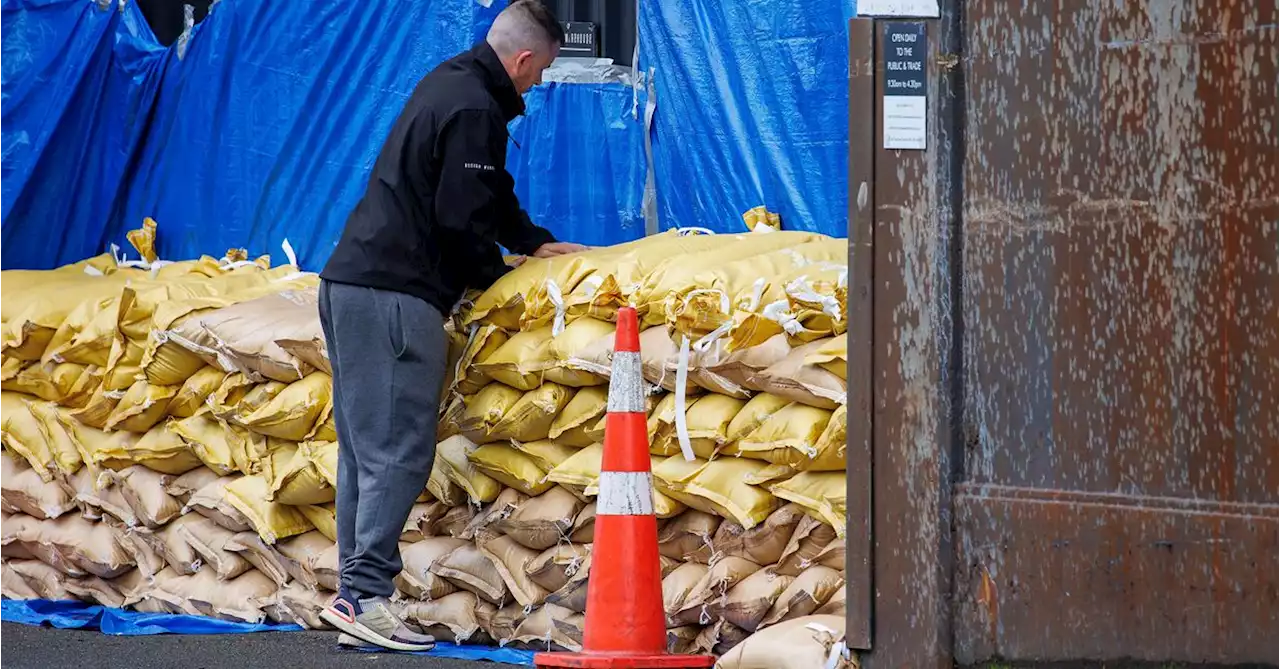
[(121, 622), (752, 109), (477, 653), (578, 162)]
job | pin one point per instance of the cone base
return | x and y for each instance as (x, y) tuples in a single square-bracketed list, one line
[(587, 660)]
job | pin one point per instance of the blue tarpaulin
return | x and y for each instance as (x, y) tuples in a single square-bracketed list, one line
[(79, 615), (263, 123)]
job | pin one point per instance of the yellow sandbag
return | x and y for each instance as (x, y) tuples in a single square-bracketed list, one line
[(546, 454), (758, 218), (503, 304), (833, 356), (454, 453), (83, 389), (293, 413), (191, 397), (63, 450), (521, 362), (85, 335), (324, 517), (529, 419), (98, 408), (273, 521), (221, 446), (141, 407), (163, 450), (581, 469), (22, 434), (485, 409), (753, 414), (97, 448), (800, 382), (721, 483), (822, 494), (325, 429), (324, 457), (709, 299), (707, 421), (47, 381), (511, 467), (567, 345), (676, 272), (444, 490), (33, 314), (569, 427), (791, 437), (299, 481), (11, 367), (806, 303), (243, 401), (481, 344)]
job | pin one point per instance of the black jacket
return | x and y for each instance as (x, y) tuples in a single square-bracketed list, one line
[(440, 199)]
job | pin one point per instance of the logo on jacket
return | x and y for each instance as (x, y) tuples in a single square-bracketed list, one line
[(478, 166)]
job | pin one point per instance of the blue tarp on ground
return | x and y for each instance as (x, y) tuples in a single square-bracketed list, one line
[(267, 125), (79, 615)]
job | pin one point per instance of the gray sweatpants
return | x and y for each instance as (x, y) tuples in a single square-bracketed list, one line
[(388, 352)]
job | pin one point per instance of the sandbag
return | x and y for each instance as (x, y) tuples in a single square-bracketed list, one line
[(678, 585), (797, 381), (49, 381), (521, 362), (459, 617), (45, 581), (258, 553), (553, 568), (23, 489), (584, 525), (327, 570), (832, 355), (193, 392), (511, 560), (301, 554), (27, 538), (530, 418), (485, 410), (140, 551), (144, 491), (164, 450), (545, 454), (762, 544), (834, 606), (222, 447), (720, 487), (416, 579), (241, 599), (822, 495), (802, 643), (707, 421), (542, 521), (22, 434), (440, 487), (170, 543), (481, 343), (95, 412), (790, 437), (550, 628), (209, 540), (212, 502), (455, 522), (186, 485), (272, 520), (454, 454), (293, 413), (569, 427), (715, 584), (686, 534), (810, 590), (13, 585), (511, 467), (142, 406), (62, 449), (747, 603), (90, 546), (304, 605), (300, 481), (421, 518), (811, 536), (323, 517), (470, 569)]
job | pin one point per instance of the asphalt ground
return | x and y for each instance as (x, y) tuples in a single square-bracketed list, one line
[(27, 647)]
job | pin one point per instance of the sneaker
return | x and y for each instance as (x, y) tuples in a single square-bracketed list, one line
[(347, 641), (373, 621)]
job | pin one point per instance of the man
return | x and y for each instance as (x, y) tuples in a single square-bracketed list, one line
[(438, 204)]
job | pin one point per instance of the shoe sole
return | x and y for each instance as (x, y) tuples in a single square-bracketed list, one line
[(369, 636)]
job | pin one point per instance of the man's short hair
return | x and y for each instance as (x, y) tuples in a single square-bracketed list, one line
[(525, 24)]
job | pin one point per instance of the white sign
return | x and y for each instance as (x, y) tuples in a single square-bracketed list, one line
[(904, 122), (899, 8)]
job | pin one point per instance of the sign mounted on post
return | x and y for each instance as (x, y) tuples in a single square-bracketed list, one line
[(579, 40), (905, 85)]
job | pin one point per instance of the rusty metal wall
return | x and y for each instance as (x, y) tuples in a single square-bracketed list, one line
[(1118, 281)]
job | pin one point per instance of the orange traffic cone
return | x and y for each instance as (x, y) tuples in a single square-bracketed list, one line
[(625, 622)]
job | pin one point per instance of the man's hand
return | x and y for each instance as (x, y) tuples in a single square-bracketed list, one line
[(554, 249)]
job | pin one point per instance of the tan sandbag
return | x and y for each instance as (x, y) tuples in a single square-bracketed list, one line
[(421, 518), (140, 551), (832, 355), (91, 546), (762, 544), (299, 481), (99, 495), (822, 495), (834, 606), (810, 590), (686, 534), (213, 442), (241, 599), (470, 569), (442, 489), (678, 585), (511, 560), (507, 502), (13, 585), (301, 553), (193, 392), (95, 412), (485, 410), (258, 553), (164, 450), (142, 406), (47, 582), (503, 622), (717, 582), (790, 437), (212, 502), (543, 521), (811, 641), (584, 525), (811, 536), (272, 520), (327, 570), (454, 454), (209, 540), (416, 579), (186, 485), (455, 521), (553, 568), (304, 605), (27, 538), (293, 413), (170, 543), (747, 603), (23, 489), (144, 490), (679, 639), (459, 617), (832, 555), (522, 361), (511, 467), (799, 382), (539, 630), (99, 449), (569, 427)]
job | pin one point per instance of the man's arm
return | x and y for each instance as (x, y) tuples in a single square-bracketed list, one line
[(476, 193)]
